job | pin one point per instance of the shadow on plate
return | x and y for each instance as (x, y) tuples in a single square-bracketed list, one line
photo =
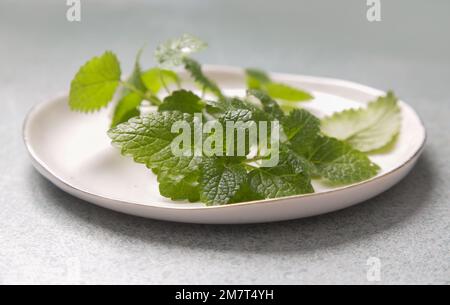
[(383, 213)]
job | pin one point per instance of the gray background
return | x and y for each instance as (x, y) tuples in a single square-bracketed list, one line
[(47, 236)]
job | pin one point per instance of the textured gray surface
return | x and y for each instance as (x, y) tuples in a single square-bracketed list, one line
[(47, 236)]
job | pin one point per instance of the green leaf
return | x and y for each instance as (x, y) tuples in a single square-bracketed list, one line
[(221, 180), (245, 194), (366, 129), (289, 177), (242, 115), (179, 178), (135, 78), (270, 106), (127, 107), (268, 185), (183, 101), (186, 188), (301, 129), (290, 161), (256, 78), (332, 159), (242, 119), (338, 162), (231, 103), (154, 79), (172, 52), (95, 83), (287, 93), (145, 137), (305, 151), (197, 74), (148, 140)]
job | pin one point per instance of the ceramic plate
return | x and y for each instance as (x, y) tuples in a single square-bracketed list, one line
[(73, 151)]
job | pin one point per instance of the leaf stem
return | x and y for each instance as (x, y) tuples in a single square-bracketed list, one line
[(163, 82), (149, 96), (132, 88)]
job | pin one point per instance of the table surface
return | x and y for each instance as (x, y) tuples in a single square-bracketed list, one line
[(47, 236)]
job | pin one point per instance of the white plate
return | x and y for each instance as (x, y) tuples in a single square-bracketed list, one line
[(73, 151)]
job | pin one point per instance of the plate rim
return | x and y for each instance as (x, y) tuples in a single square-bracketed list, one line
[(55, 179)]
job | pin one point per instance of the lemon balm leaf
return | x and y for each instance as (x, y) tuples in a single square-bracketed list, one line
[(287, 93), (366, 129), (332, 149), (180, 189), (301, 129), (148, 140), (339, 163), (221, 180), (95, 83), (258, 79), (329, 158), (172, 52), (290, 177), (267, 184), (178, 178), (135, 78), (154, 79), (126, 108), (183, 101), (200, 78), (145, 137), (270, 106)]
